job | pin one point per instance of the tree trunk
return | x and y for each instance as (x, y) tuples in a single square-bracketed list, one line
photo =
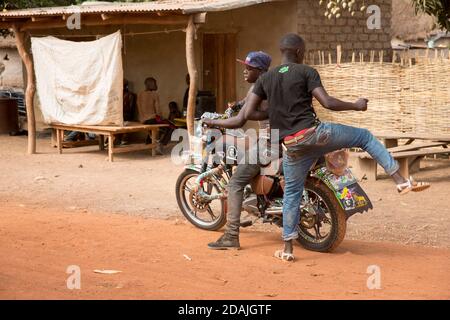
[(192, 69), (31, 88)]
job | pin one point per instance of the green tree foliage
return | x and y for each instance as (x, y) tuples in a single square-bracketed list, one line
[(440, 9), (437, 8)]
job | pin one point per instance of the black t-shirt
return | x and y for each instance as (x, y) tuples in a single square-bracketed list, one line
[(288, 90)]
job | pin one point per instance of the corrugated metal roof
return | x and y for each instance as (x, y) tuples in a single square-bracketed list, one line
[(176, 6)]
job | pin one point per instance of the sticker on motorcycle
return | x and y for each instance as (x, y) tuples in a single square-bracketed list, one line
[(347, 190)]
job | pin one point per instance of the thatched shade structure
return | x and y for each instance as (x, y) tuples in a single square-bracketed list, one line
[(188, 14)]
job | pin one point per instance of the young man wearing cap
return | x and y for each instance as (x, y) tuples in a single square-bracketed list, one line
[(256, 64), (289, 89)]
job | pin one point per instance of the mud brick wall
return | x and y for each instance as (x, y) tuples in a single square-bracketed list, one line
[(350, 31)]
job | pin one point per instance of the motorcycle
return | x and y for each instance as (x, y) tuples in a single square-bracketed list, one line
[(328, 200)]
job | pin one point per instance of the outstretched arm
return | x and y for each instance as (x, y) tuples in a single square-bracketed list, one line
[(231, 123), (240, 120), (331, 103), (244, 114)]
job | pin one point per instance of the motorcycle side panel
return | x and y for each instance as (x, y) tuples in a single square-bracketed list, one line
[(347, 191)]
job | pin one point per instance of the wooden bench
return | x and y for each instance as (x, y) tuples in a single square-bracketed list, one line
[(392, 139), (408, 156), (110, 132)]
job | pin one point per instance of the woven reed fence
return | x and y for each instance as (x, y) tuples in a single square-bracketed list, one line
[(409, 95)]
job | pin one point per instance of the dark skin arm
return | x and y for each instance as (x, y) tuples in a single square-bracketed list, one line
[(328, 102), (253, 102), (240, 119)]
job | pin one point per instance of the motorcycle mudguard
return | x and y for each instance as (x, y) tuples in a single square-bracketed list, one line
[(347, 191), (194, 167)]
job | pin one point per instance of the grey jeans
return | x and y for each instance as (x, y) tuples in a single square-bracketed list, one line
[(242, 177)]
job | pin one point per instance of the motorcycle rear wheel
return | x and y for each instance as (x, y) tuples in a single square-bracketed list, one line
[(191, 209), (337, 218)]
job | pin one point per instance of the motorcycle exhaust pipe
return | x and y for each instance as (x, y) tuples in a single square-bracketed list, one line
[(275, 212)]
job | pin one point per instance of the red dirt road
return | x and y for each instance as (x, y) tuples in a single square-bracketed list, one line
[(37, 246)]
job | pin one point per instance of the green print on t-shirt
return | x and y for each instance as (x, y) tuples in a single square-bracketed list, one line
[(284, 69)]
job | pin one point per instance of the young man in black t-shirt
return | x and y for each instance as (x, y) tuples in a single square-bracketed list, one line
[(289, 89)]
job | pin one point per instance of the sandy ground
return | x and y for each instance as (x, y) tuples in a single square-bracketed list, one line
[(79, 209), (165, 259)]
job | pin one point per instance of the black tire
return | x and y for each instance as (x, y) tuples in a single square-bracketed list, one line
[(338, 220), (184, 206)]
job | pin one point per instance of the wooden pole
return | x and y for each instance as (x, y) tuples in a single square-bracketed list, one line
[(31, 88), (338, 54), (192, 69)]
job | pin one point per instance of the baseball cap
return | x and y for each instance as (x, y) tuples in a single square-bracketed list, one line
[(257, 59)]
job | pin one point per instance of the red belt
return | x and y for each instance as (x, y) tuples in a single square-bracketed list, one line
[(296, 137)]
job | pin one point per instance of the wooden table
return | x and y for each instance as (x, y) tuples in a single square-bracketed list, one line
[(110, 132), (391, 138)]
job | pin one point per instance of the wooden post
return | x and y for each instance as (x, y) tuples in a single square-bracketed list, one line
[(192, 69), (154, 133), (404, 167), (101, 142), (338, 54), (59, 140), (111, 147), (31, 88)]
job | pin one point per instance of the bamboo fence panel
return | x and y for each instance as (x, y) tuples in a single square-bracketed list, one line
[(411, 94)]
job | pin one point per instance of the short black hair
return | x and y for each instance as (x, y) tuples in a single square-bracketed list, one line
[(292, 41)]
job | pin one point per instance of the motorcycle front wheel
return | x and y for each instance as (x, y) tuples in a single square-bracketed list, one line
[(325, 228), (207, 216)]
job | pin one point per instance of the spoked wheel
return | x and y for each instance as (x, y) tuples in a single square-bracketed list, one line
[(204, 215), (323, 222)]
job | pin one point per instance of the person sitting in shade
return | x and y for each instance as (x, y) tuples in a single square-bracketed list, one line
[(149, 112), (148, 102)]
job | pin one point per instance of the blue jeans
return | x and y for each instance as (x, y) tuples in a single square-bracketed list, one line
[(298, 160)]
